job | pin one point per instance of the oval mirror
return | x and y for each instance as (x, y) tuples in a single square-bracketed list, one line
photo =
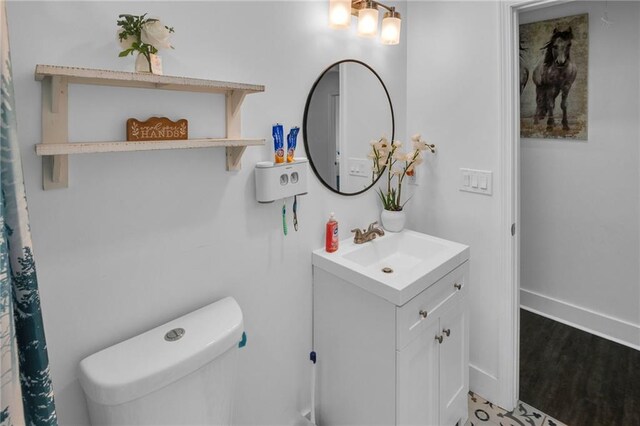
[(347, 107)]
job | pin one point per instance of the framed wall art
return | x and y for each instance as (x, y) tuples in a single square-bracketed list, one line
[(554, 64)]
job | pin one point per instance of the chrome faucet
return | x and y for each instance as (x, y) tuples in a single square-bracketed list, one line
[(363, 236)]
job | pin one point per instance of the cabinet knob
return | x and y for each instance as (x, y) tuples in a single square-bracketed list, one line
[(423, 313), (447, 331), (440, 338), (457, 286)]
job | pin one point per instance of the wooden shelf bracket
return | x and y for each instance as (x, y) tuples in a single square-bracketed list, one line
[(55, 129), (234, 100)]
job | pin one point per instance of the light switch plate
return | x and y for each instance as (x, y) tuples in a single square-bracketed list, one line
[(478, 181), (359, 167)]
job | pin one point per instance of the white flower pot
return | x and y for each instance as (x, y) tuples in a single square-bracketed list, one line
[(142, 65), (393, 221)]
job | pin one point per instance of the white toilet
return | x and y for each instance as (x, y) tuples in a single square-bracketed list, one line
[(181, 373)]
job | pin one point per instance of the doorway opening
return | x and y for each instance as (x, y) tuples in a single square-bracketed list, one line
[(574, 263)]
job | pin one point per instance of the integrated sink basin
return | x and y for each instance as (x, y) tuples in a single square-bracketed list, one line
[(396, 266)]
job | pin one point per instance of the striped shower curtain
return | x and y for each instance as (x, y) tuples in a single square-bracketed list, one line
[(26, 395)]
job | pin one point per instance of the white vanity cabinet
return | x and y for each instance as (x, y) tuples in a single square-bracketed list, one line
[(383, 364), (432, 370)]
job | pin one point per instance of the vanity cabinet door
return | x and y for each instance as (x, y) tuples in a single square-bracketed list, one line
[(454, 362), (417, 376)]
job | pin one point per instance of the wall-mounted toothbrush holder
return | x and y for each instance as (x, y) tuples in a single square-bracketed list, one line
[(275, 181)]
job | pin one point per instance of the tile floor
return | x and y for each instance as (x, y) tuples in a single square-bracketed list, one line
[(484, 413)]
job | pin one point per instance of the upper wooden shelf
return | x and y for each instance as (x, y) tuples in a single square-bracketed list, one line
[(142, 80)]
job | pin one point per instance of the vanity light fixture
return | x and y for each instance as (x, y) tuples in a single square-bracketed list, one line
[(339, 14), (367, 12), (391, 25), (368, 20)]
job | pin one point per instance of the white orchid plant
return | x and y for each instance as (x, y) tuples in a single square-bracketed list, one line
[(143, 35), (398, 165)]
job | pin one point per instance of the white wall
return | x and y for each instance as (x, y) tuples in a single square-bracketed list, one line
[(453, 100), (140, 238), (580, 200)]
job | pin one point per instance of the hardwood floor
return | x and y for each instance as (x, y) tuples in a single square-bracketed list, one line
[(576, 377)]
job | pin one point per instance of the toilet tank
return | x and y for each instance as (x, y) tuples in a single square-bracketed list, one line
[(181, 373)]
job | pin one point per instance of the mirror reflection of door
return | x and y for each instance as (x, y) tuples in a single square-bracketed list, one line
[(324, 127), (347, 108), (334, 138)]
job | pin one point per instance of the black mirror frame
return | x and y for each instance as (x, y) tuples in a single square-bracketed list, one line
[(306, 113)]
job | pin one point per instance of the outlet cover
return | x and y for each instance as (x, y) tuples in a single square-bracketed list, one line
[(413, 179)]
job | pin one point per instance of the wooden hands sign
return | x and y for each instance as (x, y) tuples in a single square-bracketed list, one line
[(157, 129)]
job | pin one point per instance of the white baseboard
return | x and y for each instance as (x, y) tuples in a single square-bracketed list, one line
[(602, 325), (483, 383)]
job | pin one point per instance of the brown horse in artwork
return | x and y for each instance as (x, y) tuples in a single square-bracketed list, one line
[(554, 74)]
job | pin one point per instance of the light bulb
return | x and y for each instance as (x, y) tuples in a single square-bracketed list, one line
[(391, 25), (339, 13), (368, 21)]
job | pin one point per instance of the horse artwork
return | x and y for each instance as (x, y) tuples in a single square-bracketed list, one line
[(524, 71), (555, 74), (557, 52)]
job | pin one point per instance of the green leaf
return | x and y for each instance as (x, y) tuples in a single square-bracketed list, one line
[(402, 206)]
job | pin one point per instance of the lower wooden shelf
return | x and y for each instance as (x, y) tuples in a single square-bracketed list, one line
[(55, 155), (123, 146)]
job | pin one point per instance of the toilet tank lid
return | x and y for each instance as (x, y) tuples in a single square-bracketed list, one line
[(148, 362)]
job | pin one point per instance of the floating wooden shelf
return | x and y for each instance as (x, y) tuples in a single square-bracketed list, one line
[(141, 80), (56, 147)]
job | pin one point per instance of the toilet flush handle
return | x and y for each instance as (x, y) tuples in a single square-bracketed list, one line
[(175, 334)]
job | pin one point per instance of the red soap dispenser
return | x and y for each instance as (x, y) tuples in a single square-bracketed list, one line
[(332, 234)]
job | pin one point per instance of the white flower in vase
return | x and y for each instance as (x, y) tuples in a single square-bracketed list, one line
[(142, 35), (126, 41), (392, 160), (155, 33)]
